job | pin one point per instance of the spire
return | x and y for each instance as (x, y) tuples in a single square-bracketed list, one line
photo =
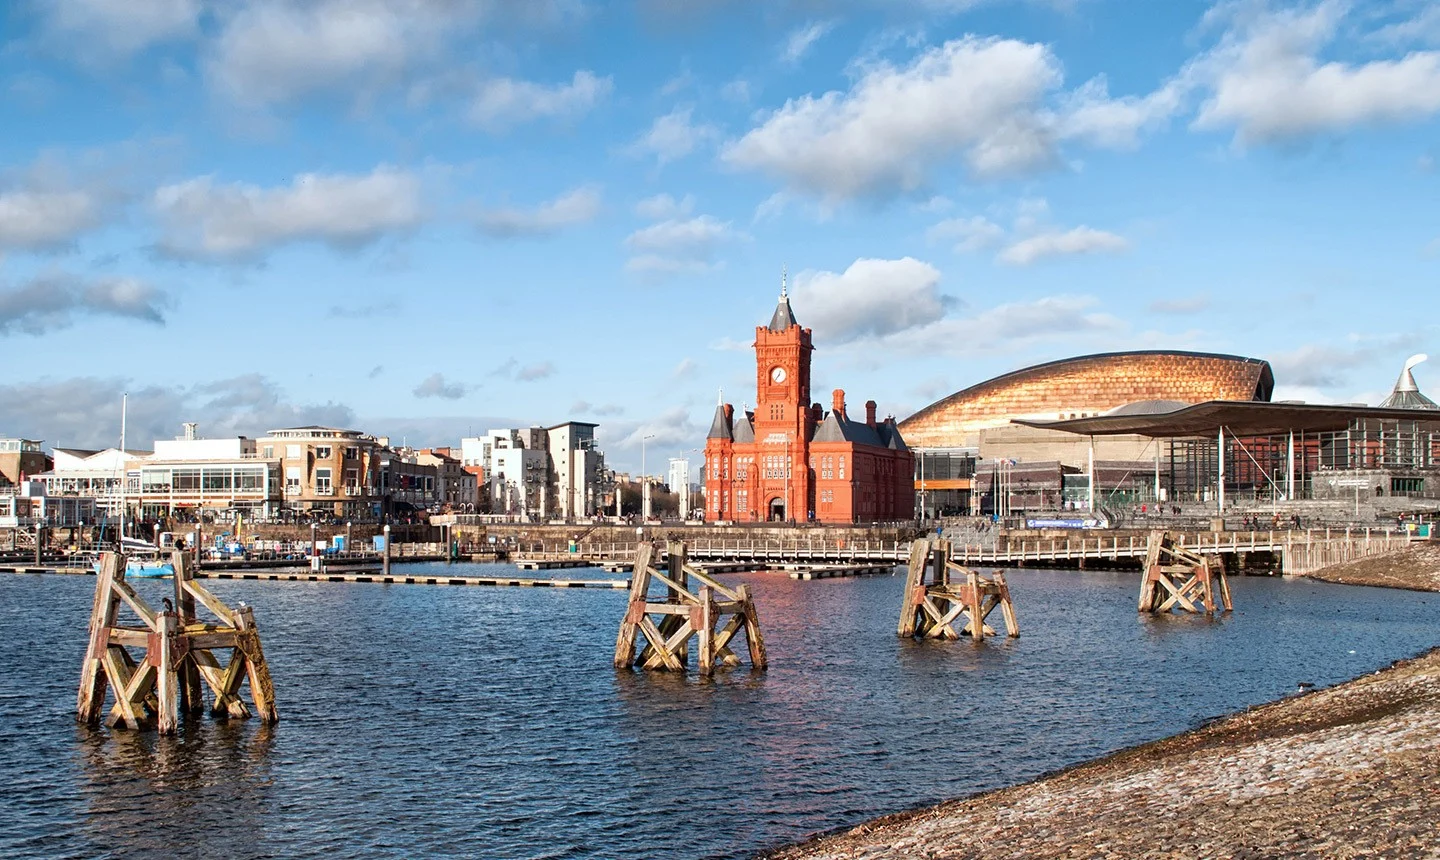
[(783, 317), (1406, 394)]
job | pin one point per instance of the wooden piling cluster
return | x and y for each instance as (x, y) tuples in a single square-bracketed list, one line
[(1177, 578), (179, 655), (713, 613), (939, 592)]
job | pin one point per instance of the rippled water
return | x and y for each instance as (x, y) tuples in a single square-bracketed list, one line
[(484, 722)]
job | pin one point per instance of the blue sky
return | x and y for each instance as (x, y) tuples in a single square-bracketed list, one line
[(423, 217)]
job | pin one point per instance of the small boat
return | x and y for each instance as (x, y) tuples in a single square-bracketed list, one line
[(142, 560)]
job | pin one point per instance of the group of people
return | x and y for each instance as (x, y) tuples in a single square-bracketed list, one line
[(1253, 522)]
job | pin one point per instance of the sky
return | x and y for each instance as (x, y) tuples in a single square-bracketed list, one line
[(428, 218)]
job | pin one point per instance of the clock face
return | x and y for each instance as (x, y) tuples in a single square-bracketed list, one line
[(777, 375)]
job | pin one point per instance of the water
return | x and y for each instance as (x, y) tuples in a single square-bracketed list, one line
[(485, 722)]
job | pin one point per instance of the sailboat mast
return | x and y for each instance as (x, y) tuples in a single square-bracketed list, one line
[(124, 473)]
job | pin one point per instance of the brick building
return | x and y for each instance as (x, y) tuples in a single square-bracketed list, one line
[(789, 460)]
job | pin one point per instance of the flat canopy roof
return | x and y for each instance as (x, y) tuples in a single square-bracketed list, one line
[(1242, 418)]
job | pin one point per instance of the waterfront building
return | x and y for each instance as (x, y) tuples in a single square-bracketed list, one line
[(30, 506), (110, 477), (518, 475), (328, 471), (21, 459), (790, 460), (223, 477), (577, 467), (456, 486), (983, 421)]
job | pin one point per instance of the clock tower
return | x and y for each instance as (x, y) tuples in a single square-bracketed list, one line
[(783, 421)]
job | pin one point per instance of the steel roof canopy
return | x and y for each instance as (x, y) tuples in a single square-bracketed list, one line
[(1242, 418)]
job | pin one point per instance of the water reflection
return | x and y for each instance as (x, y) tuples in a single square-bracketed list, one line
[(148, 794)]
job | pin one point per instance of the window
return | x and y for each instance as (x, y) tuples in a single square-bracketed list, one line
[(322, 452), (249, 479), (842, 467), (352, 477), (292, 479), (322, 482), (217, 479), (268, 452), (292, 451), (352, 453), (185, 480)]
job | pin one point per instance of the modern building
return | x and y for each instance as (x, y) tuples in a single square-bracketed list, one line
[(1221, 452), (223, 477), (790, 460), (578, 468), (21, 459), (1001, 422), (678, 479)]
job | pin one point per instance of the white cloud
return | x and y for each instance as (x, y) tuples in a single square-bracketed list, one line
[(579, 206), (871, 298), (663, 206), (975, 233), (1090, 114), (203, 220), (274, 51), (435, 385), (52, 302), (42, 219), (679, 246), (801, 39), (1268, 82), (64, 411), (971, 98), (696, 237), (504, 102), (110, 29), (672, 136), (1060, 243), (533, 372)]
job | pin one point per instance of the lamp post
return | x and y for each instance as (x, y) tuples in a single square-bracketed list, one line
[(313, 527), (920, 455), (644, 480)]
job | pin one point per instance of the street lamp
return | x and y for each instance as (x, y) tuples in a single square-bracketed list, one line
[(644, 480)]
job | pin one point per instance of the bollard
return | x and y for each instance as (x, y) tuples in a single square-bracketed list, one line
[(385, 554)]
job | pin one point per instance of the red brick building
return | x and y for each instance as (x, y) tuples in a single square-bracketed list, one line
[(789, 460)]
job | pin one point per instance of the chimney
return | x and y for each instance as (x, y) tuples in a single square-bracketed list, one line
[(837, 402), (816, 413), (729, 414), (870, 412)]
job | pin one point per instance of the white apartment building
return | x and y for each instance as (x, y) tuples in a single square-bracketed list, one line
[(678, 479), (109, 476), (578, 468)]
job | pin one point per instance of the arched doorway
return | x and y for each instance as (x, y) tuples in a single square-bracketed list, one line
[(777, 510)]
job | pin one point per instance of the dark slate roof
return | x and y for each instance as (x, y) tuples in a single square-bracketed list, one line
[(784, 317), (837, 428), (719, 427), (78, 452), (890, 435), (744, 430)]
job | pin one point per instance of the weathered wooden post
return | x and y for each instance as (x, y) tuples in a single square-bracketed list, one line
[(164, 684), (936, 596), (1176, 578), (715, 615)]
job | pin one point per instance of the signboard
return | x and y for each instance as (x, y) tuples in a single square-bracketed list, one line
[(1063, 523)]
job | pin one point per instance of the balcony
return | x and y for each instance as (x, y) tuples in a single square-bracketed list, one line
[(292, 489), (354, 491), (324, 491)]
